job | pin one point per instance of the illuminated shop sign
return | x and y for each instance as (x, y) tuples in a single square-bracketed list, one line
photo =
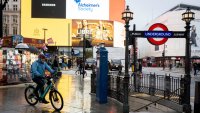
[(87, 9)]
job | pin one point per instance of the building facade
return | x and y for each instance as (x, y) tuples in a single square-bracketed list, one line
[(174, 48), (67, 22), (11, 18)]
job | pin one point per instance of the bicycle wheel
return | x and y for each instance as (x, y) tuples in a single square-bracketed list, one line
[(77, 72), (30, 95), (56, 100)]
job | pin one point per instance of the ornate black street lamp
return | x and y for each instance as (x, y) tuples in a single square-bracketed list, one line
[(2, 6), (188, 16), (127, 15)]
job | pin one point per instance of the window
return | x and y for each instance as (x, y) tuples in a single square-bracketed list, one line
[(14, 18), (14, 7), (14, 30), (6, 30), (14, 0), (5, 19), (7, 7), (156, 48)]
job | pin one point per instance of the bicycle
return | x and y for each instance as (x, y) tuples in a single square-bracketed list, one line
[(54, 95), (80, 72)]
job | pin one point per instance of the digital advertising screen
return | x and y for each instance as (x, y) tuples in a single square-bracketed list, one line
[(48, 8), (87, 9), (96, 31)]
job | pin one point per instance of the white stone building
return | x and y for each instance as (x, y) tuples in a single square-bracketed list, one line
[(174, 47), (11, 18)]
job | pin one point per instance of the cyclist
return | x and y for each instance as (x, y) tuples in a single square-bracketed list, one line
[(38, 75)]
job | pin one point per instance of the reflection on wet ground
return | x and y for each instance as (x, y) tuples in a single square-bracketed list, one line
[(75, 92)]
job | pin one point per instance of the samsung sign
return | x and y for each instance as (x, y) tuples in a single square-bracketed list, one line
[(87, 9), (48, 9)]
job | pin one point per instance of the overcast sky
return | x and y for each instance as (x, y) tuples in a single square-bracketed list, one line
[(146, 10)]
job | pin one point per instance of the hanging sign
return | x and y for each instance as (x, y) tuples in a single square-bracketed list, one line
[(153, 35)]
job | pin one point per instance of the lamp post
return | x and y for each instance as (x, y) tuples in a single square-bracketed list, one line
[(188, 16), (2, 6), (45, 34), (127, 15), (83, 70)]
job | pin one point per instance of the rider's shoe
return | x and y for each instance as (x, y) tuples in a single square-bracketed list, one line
[(44, 101)]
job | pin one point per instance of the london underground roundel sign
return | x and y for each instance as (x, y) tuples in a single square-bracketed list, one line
[(157, 41)]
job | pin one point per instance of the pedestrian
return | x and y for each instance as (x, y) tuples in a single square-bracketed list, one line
[(170, 66), (195, 66), (69, 63), (140, 67), (55, 64), (60, 62)]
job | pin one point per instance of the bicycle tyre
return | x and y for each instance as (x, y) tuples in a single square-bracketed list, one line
[(77, 72), (53, 97), (30, 98)]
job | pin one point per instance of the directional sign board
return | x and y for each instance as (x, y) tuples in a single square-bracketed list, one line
[(160, 31)]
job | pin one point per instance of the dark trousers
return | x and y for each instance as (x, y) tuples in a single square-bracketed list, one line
[(40, 84)]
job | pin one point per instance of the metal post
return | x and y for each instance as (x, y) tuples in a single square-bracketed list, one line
[(187, 77), (134, 58), (126, 77), (2, 6), (83, 55), (163, 54), (45, 35)]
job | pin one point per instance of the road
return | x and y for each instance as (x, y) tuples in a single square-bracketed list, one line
[(75, 92)]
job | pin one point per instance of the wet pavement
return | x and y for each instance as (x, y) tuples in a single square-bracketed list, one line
[(77, 97), (75, 92)]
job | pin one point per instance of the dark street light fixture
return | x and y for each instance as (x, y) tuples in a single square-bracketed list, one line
[(127, 15), (188, 16), (45, 34)]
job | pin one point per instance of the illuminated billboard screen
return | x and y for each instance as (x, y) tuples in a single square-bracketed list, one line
[(96, 31), (48, 9), (88, 9)]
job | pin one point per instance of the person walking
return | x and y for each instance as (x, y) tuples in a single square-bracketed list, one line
[(55, 63), (195, 68)]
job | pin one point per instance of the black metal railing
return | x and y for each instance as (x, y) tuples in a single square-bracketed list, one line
[(165, 86), (162, 86)]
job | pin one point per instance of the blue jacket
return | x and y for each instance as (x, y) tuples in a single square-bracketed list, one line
[(38, 68)]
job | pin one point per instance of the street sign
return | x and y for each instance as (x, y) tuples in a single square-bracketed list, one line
[(158, 34), (154, 32), (164, 39)]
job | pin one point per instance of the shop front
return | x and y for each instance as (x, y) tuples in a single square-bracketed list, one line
[(15, 63)]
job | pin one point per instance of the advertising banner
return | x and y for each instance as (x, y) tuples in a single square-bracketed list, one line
[(48, 9), (87, 9), (96, 31), (195, 39)]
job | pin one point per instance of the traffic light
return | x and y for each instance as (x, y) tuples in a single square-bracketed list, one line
[(163, 54)]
